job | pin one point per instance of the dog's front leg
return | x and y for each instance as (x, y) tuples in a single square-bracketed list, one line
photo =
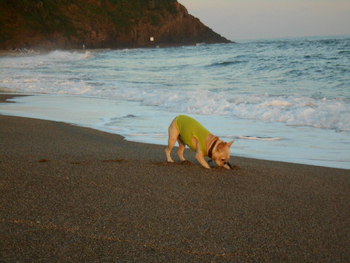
[(227, 166), (200, 158)]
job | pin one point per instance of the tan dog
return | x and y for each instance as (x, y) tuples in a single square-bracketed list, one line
[(187, 131)]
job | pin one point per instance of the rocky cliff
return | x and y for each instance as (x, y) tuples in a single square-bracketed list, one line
[(66, 24)]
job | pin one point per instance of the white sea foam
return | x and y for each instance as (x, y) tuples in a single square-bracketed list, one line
[(292, 110), (59, 55), (254, 138), (46, 59)]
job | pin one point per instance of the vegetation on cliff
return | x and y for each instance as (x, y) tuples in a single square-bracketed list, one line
[(99, 24)]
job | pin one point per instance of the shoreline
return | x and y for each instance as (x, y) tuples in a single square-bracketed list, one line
[(74, 194), (5, 95)]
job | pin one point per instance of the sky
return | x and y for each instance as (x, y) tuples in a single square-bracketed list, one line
[(259, 19)]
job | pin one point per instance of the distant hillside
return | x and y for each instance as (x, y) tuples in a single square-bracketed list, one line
[(67, 24)]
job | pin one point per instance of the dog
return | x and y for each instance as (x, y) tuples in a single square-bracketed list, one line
[(187, 131)]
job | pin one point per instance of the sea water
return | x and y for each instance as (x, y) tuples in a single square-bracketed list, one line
[(285, 100)]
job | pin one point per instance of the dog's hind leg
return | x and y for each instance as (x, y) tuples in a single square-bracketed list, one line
[(173, 137), (182, 148)]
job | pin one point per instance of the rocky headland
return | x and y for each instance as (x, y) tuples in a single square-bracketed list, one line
[(76, 24)]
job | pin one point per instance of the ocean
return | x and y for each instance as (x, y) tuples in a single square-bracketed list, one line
[(285, 100)]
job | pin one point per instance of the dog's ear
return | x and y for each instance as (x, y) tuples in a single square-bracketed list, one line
[(229, 144), (222, 145)]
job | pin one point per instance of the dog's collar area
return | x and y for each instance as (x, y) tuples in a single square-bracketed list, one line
[(210, 152)]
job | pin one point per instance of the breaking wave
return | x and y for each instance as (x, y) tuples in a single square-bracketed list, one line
[(292, 110), (300, 83)]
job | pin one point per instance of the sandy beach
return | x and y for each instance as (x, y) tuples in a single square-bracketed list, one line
[(72, 194)]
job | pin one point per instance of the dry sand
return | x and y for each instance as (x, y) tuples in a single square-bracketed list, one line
[(72, 194)]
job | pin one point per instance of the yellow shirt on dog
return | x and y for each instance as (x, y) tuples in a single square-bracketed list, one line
[(190, 128)]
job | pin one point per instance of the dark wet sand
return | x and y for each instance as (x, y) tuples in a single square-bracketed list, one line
[(6, 97), (72, 194)]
